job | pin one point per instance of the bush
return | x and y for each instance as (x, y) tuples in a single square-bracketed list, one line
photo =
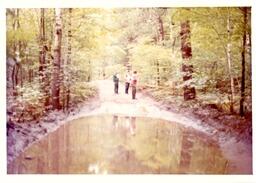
[(81, 92), (27, 106)]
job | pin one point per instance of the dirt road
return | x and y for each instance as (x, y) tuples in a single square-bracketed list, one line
[(239, 153)]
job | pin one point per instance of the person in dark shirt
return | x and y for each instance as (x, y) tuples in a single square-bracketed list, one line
[(116, 83)]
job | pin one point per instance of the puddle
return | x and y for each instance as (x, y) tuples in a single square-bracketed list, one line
[(123, 145)]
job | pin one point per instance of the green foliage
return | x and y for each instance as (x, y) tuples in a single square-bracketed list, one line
[(28, 105), (107, 41), (81, 92), (147, 59)]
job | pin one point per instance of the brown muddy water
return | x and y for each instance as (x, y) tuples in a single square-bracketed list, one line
[(122, 145)]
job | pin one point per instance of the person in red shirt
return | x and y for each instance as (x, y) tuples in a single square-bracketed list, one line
[(134, 84)]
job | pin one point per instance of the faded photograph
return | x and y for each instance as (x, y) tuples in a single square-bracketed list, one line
[(129, 90)]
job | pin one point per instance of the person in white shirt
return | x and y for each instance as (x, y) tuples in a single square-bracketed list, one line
[(127, 81)]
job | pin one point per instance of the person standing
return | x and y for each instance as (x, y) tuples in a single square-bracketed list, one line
[(116, 83), (127, 81), (134, 84)]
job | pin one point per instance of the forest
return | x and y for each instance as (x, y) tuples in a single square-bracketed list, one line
[(181, 53), (189, 60)]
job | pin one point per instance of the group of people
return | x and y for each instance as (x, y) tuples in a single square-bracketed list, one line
[(130, 81)]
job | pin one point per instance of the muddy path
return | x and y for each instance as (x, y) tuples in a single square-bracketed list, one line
[(22, 136), (142, 106)]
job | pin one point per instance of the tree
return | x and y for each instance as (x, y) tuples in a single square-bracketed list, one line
[(245, 24), (229, 59), (187, 69), (42, 44), (17, 47), (61, 52), (69, 58), (160, 41), (42, 58), (57, 60)]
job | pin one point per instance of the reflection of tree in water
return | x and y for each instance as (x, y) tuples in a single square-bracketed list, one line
[(186, 150), (114, 144), (151, 144), (168, 147), (206, 156)]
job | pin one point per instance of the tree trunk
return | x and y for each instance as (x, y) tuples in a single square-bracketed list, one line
[(186, 51), (21, 76), (42, 53), (17, 66), (57, 61), (30, 75), (50, 58), (42, 60), (160, 30), (16, 26), (229, 45), (160, 39), (158, 72), (243, 63), (69, 58)]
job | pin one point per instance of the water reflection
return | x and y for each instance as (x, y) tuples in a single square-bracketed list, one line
[(122, 144), (128, 125)]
